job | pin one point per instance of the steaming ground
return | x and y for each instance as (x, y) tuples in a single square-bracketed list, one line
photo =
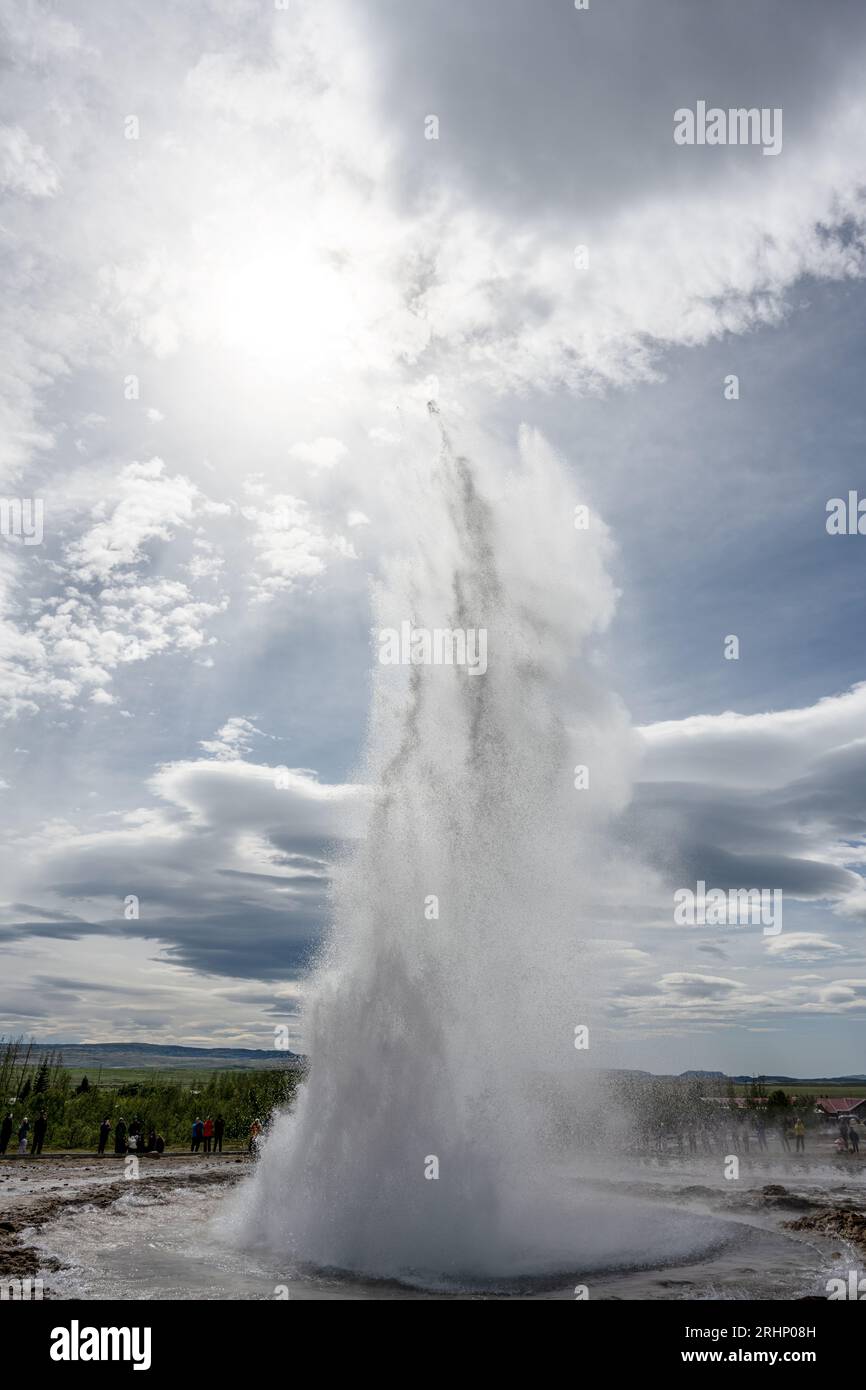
[(696, 1237)]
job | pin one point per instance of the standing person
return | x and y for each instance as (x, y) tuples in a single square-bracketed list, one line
[(761, 1133), (219, 1130), (23, 1131), (255, 1131), (799, 1136), (854, 1140), (197, 1135), (208, 1133), (104, 1131), (39, 1130), (5, 1132), (785, 1136), (120, 1136)]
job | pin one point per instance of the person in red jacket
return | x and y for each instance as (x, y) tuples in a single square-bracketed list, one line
[(208, 1133)]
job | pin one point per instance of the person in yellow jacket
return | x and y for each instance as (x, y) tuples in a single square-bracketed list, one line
[(799, 1136)]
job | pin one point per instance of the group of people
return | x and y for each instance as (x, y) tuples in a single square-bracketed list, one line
[(735, 1133), (207, 1135), (791, 1133), (848, 1140), (130, 1139), (40, 1129), (739, 1133)]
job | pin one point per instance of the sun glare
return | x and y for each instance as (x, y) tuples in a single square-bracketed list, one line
[(286, 309)]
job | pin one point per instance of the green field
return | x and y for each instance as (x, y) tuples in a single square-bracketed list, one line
[(112, 1078)]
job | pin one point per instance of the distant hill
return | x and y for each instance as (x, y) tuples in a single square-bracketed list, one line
[(168, 1056), (857, 1080), (769, 1081), (165, 1056)]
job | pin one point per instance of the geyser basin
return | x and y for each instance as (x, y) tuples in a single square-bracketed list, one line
[(556, 1236), (139, 1248)]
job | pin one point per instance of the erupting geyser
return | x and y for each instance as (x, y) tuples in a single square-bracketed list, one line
[(441, 1036)]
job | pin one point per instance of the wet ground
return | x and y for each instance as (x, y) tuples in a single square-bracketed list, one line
[(779, 1231)]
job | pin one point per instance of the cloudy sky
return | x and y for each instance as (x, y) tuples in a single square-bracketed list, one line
[(235, 267)]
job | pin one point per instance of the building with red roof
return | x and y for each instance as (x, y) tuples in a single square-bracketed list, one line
[(836, 1107)]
